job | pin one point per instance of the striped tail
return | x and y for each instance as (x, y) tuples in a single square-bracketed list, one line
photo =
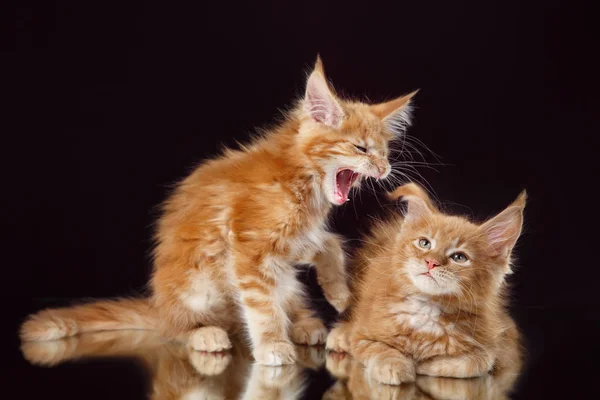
[(102, 315)]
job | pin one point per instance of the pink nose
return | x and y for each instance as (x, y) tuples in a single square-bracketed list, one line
[(431, 264), (381, 168)]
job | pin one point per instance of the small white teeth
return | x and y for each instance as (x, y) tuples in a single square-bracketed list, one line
[(347, 200)]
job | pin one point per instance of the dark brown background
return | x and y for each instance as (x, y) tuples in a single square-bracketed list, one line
[(110, 103)]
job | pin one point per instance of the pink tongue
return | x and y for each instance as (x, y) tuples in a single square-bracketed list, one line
[(344, 179)]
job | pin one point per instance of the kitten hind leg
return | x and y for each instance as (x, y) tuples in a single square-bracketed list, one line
[(470, 365), (195, 310), (202, 333)]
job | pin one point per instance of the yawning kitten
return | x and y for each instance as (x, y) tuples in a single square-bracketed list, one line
[(232, 231)]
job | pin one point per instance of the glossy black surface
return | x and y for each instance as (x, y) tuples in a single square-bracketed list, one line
[(560, 363)]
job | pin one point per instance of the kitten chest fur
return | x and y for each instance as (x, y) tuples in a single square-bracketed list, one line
[(418, 314), (426, 330)]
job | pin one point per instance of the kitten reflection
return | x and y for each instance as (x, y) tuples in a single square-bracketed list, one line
[(353, 383), (178, 372), (286, 381)]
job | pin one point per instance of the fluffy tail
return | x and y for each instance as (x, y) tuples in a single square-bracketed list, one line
[(103, 315), (412, 189)]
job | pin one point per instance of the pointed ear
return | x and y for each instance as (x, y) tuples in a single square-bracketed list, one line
[(415, 190), (396, 113), (417, 209), (504, 229), (319, 101)]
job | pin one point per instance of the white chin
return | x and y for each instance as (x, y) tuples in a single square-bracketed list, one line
[(428, 285)]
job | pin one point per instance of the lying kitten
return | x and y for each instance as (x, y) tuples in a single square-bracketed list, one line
[(233, 230), (431, 297)]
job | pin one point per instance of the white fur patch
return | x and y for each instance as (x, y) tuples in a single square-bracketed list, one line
[(202, 296), (287, 286), (420, 314), (310, 243)]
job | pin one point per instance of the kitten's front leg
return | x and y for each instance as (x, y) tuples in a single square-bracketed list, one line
[(265, 292), (471, 365), (382, 362), (307, 329), (331, 273)]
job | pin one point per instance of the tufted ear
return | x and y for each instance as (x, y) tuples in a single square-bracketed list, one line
[(396, 113), (504, 229), (413, 190), (419, 203), (417, 209), (319, 101)]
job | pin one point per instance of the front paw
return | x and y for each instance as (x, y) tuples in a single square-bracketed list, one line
[(390, 369), (310, 331), (275, 353), (339, 297), (338, 340)]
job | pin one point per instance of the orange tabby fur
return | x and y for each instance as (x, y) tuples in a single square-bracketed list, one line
[(232, 231), (453, 323)]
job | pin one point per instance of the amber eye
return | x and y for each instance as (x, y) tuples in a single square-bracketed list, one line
[(361, 149), (424, 243), (459, 257)]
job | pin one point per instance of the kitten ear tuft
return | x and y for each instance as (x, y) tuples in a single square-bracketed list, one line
[(503, 231), (415, 190), (521, 199), (320, 101), (319, 65), (397, 113)]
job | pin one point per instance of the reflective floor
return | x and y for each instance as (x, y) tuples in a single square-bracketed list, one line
[(559, 363)]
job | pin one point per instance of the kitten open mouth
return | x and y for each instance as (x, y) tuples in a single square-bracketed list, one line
[(344, 179)]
